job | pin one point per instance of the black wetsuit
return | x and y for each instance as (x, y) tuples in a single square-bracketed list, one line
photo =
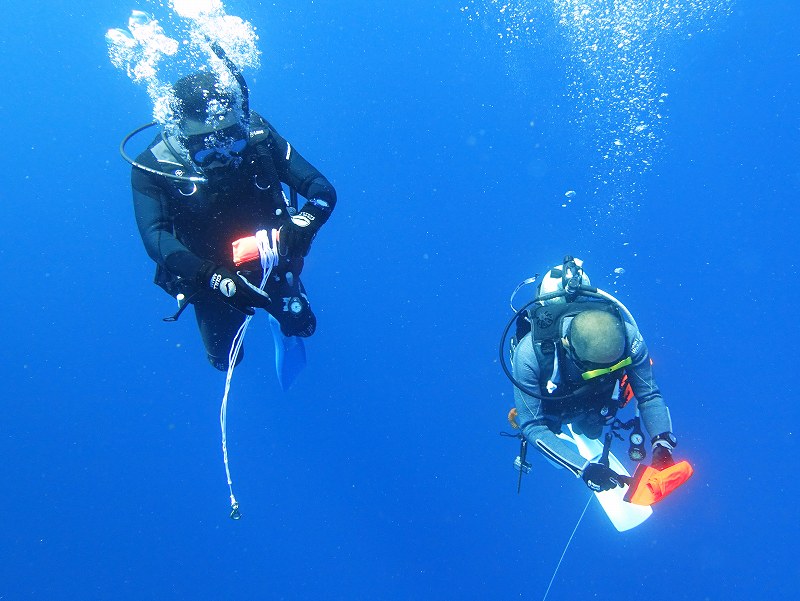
[(184, 225)]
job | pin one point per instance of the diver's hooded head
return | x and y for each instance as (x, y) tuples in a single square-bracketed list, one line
[(205, 104), (597, 337), (211, 119)]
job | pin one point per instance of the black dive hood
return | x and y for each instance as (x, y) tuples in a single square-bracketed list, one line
[(191, 179)]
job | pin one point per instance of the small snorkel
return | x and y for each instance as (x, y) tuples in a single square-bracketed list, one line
[(200, 177)]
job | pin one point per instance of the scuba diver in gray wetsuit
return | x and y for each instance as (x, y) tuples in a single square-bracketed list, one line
[(215, 180), (578, 357)]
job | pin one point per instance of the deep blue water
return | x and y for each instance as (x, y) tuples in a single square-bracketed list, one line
[(381, 474)]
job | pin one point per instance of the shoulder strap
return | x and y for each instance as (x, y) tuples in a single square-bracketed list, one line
[(261, 138)]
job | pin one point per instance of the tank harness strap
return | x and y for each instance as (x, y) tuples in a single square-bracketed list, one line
[(266, 169), (552, 386), (523, 326)]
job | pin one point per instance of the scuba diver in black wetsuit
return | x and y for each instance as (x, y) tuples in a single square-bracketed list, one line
[(577, 358), (217, 179)]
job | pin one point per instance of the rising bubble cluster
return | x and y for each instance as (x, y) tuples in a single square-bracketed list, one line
[(617, 52), (174, 40), (514, 20)]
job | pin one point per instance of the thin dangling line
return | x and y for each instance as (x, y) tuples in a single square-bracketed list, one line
[(268, 251), (574, 530)]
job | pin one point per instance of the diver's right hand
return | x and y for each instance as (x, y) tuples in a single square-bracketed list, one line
[(600, 477), (233, 289)]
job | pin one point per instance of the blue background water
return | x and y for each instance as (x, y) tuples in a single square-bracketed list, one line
[(381, 474)]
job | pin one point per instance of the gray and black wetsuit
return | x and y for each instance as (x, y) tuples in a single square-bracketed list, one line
[(184, 225), (542, 420)]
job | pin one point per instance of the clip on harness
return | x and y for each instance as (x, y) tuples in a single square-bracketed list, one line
[(268, 252)]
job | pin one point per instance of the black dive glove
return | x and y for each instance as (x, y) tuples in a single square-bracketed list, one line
[(295, 236), (600, 477), (233, 289), (663, 444)]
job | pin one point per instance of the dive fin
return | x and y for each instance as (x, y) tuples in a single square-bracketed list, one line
[(290, 355)]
